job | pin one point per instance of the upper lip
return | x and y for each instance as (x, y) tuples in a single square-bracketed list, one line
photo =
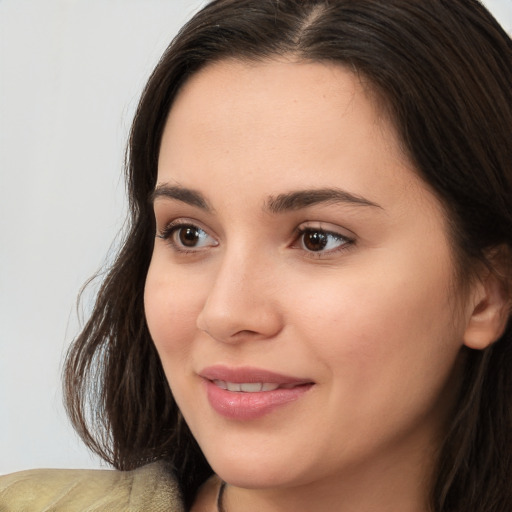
[(248, 374)]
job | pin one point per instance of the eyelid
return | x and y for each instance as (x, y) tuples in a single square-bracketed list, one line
[(169, 229), (180, 221), (328, 227), (348, 238)]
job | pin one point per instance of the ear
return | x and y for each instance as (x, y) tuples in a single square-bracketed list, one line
[(489, 312)]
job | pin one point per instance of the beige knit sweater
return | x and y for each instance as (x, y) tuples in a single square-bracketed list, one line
[(149, 488)]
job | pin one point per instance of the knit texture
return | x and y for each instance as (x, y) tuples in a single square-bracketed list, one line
[(150, 488)]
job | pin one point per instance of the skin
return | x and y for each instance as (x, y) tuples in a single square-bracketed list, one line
[(374, 319)]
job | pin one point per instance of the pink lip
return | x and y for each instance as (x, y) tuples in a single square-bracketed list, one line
[(248, 406)]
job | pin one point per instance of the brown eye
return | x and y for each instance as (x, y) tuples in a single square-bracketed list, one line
[(188, 236), (315, 240), (318, 240)]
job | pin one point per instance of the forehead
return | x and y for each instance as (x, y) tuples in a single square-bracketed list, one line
[(237, 86), (289, 118)]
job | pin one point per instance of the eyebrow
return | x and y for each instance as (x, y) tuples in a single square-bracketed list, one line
[(179, 193), (275, 204), (304, 198)]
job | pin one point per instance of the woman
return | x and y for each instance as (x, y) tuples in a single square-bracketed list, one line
[(310, 309)]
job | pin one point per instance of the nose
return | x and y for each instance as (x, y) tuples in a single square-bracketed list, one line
[(242, 301)]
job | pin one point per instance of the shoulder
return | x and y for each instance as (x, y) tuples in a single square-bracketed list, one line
[(150, 487)]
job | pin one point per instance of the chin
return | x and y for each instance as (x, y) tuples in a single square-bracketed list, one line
[(254, 478), (257, 469)]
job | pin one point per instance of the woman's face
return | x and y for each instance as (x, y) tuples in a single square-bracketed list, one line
[(301, 264)]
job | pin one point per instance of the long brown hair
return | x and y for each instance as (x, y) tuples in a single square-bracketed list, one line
[(443, 71)]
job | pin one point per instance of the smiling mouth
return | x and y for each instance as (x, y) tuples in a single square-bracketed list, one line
[(249, 393), (252, 387), (247, 401)]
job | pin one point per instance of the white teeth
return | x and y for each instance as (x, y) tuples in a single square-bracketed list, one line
[(252, 387), (220, 383), (246, 387), (269, 387), (233, 386)]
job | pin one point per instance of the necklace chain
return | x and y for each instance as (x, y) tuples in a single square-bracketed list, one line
[(220, 496)]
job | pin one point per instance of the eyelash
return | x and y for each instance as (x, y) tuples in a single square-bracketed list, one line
[(174, 228), (301, 232)]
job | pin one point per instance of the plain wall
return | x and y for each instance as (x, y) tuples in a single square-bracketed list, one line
[(71, 72)]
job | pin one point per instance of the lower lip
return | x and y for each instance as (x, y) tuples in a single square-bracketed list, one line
[(250, 406)]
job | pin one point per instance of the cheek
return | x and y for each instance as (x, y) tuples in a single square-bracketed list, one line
[(388, 352), (171, 308), (389, 321)]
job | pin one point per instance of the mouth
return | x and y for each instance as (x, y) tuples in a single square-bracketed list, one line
[(252, 387), (248, 376), (250, 393)]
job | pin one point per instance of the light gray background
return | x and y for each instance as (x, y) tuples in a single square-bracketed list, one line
[(71, 72)]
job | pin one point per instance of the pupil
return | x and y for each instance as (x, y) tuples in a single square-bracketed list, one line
[(189, 236), (315, 240)]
